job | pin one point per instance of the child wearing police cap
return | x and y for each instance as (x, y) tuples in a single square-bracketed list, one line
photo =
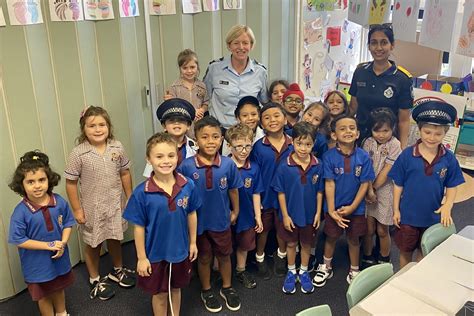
[(176, 116), (427, 170)]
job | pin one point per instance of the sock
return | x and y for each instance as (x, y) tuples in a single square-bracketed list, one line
[(260, 258), (313, 251), (355, 268), (327, 262), (292, 268), (61, 314), (239, 270), (303, 269), (92, 280), (281, 255)]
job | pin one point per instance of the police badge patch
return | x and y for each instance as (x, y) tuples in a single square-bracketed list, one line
[(358, 170), (223, 183), (388, 93), (248, 183)]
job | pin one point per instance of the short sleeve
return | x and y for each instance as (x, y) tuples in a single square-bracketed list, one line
[(320, 145), (321, 180), (327, 168), (367, 173), (68, 217), (74, 166), (235, 180), (205, 98), (353, 87), (366, 145), (124, 161), (394, 151), (135, 211), (195, 200), (278, 179), (258, 183), (208, 80), (263, 94), (405, 100), (454, 175), (397, 173), (18, 227)]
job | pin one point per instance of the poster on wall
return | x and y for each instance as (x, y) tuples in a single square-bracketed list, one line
[(162, 7), (465, 44), (66, 10), (379, 11), (232, 4), (358, 12), (128, 8), (438, 24), (96, 10), (210, 5), (24, 12), (404, 19), (2, 18), (191, 6), (320, 5)]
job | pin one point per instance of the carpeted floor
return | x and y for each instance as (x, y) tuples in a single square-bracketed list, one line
[(266, 299)]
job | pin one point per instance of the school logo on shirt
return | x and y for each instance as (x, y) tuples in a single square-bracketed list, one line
[(115, 156), (442, 173), (338, 170), (384, 151), (223, 183), (248, 183), (60, 221), (183, 202), (388, 93), (358, 170), (314, 180), (196, 176)]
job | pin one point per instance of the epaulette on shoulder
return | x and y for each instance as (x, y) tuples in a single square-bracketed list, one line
[(362, 64), (406, 72), (261, 65), (216, 60)]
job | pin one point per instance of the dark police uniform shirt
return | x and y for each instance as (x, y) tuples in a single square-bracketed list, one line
[(392, 88)]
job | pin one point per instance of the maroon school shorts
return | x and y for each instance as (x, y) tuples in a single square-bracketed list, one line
[(408, 238), (305, 235), (246, 239), (219, 243), (41, 290), (157, 282), (269, 219), (356, 227)]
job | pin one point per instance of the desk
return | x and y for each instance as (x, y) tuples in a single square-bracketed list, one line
[(438, 285), (467, 232)]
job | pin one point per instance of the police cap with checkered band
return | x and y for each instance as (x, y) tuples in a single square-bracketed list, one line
[(435, 112), (176, 108)]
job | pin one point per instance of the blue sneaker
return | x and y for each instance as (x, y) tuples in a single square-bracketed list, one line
[(289, 286), (306, 284)]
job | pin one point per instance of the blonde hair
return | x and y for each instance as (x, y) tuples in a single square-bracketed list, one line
[(238, 131), (159, 138), (238, 30)]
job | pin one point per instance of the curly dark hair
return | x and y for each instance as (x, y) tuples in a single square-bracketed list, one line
[(33, 161)]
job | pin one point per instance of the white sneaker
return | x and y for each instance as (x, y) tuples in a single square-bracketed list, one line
[(323, 273), (352, 274)]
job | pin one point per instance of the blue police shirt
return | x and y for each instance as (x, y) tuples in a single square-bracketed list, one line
[(213, 184), (424, 183), (164, 217), (226, 87), (348, 173), (34, 222), (300, 188), (392, 88), (267, 157), (250, 174)]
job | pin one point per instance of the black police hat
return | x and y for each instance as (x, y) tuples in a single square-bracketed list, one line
[(435, 112), (176, 108), (246, 100)]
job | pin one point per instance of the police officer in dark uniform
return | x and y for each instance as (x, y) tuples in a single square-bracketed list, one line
[(381, 83)]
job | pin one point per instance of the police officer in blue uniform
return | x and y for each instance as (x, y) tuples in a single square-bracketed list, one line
[(230, 78), (381, 83)]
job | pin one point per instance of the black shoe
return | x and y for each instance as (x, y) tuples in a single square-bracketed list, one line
[(383, 259), (123, 276), (312, 264), (367, 261), (279, 265), (246, 279), (101, 289), (211, 302), (232, 300), (263, 271)]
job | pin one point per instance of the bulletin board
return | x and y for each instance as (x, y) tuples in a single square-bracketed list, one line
[(329, 50)]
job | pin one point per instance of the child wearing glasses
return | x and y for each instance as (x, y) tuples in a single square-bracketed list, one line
[(293, 105), (240, 138)]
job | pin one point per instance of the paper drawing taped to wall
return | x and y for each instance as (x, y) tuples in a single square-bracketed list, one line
[(308, 70), (162, 7), (2, 18), (128, 8), (379, 11), (232, 4), (210, 5), (191, 6), (24, 12), (313, 32), (320, 5), (465, 45), (438, 24), (358, 12), (404, 19), (98, 10), (66, 10)]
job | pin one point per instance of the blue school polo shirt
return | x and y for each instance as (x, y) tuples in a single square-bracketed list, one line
[(300, 187), (250, 174), (424, 183), (320, 145), (33, 222), (213, 184), (267, 157), (164, 217), (348, 173)]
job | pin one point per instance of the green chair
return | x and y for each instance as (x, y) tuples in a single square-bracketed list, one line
[(321, 310), (435, 235), (366, 281)]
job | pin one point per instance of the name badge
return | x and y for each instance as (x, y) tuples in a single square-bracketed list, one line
[(224, 82), (361, 83)]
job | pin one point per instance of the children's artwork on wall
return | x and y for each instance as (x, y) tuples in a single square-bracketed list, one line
[(313, 32), (66, 10), (379, 11), (438, 24), (2, 18), (191, 6), (24, 12), (358, 11), (404, 19), (128, 8), (328, 63), (162, 7), (320, 5), (465, 45), (341, 4), (96, 10), (308, 70), (232, 4), (333, 35), (354, 34), (210, 5)]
